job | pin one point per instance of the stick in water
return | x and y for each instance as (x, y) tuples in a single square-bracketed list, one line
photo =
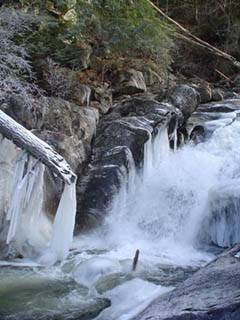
[(135, 260)]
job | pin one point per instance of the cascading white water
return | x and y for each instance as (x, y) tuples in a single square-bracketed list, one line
[(164, 214), (168, 197), (177, 192), (162, 211)]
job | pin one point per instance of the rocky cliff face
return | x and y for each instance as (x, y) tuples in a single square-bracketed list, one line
[(102, 140)]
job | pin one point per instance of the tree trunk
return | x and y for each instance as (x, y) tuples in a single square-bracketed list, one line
[(39, 149)]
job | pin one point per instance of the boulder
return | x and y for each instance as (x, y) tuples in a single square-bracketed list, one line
[(30, 116), (217, 94), (67, 127), (63, 82), (205, 118), (70, 129), (211, 293), (185, 98), (152, 78), (80, 94), (129, 82), (228, 105), (231, 95), (205, 92), (117, 149), (111, 161), (101, 99), (237, 80)]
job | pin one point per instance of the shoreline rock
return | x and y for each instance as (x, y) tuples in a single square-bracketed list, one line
[(211, 293)]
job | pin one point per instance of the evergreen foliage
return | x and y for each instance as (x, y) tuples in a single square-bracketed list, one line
[(15, 67), (125, 27)]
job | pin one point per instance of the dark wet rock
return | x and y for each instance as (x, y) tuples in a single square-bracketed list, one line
[(185, 98), (201, 125), (141, 107), (198, 133), (217, 95), (205, 92), (111, 161), (181, 138), (101, 99), (237, 80), (129, 132), (213, 293), (223, 106), (230, 95), (129, 82), (208, 114), (118, 147), (52, 191), (201, 119), (100, 186)]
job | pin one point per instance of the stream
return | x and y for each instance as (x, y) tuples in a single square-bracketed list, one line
[(165, 211)]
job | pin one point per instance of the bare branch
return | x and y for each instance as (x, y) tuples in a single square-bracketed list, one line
[(185, 34)]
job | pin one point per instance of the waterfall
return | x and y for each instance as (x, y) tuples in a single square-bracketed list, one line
[(148, 155), (30, 231), (178, 201), (164, 210)]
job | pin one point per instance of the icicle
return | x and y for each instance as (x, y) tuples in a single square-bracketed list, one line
[(132, 175), (148, 156), (63, 227), (18, 175), (175, 140), (160, 145), (26, 205), (64, 222), (29, 230), (16, 206)]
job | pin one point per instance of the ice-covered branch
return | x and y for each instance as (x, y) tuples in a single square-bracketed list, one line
[(26, 140)]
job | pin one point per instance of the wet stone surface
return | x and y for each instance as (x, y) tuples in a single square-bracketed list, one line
[(211, 293)]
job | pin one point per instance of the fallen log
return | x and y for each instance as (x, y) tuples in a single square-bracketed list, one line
[(39, 149), (185, 34)]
